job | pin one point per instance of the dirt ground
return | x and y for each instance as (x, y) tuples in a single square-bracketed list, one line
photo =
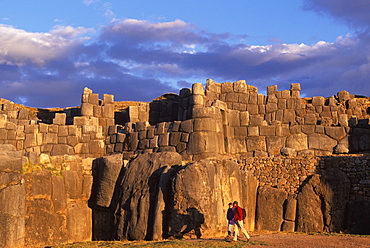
[(295, 240)]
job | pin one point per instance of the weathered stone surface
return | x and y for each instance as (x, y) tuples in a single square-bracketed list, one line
[(310, 119), (193, 203), (269, 215), (274, 144), (60, 119), (287, 151), (321, 142), (202, 142), (58, 194), (288, 226), (197, 89), (135, 216), (79, 221), (336, 133), (105, 171), (359, 140), (12, 211), (61, 149), (290, 209), (297, 141), (358, 217), (11, 160), (340, 148), (322, 202), (256, 143)]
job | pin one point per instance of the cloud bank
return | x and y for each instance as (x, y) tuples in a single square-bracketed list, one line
[(140, 60)]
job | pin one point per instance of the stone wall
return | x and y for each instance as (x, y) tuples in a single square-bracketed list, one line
[(84, 137), (311, 194), (232, 118), (284, 143), (43, 204)]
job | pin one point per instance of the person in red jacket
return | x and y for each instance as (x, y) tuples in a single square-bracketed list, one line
[(238, 219)]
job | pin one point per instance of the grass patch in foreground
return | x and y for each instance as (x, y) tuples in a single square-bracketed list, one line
[(213, 243)]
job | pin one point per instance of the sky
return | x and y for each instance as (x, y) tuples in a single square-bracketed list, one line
[(138, 50)]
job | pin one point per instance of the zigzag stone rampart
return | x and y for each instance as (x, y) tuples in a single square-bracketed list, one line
[(288, 146)]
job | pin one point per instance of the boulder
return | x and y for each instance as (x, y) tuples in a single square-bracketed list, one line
[(270, 203), (138, 195), (322, 202), (201, 193), (156, 198)]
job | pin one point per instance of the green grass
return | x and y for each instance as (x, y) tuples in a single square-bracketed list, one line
[(163, 244)]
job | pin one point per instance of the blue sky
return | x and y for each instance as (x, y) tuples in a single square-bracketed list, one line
[(138, 50)]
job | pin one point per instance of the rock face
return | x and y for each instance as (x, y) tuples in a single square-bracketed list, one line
[(202, 191), (12, 198), (139, 195), (270, 202), (359, 217), (322, 202), (156, 197)]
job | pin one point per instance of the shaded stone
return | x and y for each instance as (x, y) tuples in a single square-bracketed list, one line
[(288, 226), (359, 140), (105, 171), (135, 214), (358, 217), (322, 202)]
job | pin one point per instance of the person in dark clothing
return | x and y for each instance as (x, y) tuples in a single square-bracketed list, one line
[(230, 220)]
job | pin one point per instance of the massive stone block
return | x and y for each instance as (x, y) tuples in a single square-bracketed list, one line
[(135, 216), (270, 203), (321, 142), (256, 143), (10, 159), (297, 141), (12, 211), (79, 221), (336, 133), (105, 171), (322, 202), (204, 212), (203, 142)]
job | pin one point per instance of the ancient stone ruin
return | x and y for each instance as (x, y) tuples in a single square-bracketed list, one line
[(168, 168)]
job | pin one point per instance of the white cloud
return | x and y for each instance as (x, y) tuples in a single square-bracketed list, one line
[(135, 54), (89, 2), (20, 47)]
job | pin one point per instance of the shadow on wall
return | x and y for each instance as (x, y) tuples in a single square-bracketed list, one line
[(182, 224), (359, 135), (333, 200)]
